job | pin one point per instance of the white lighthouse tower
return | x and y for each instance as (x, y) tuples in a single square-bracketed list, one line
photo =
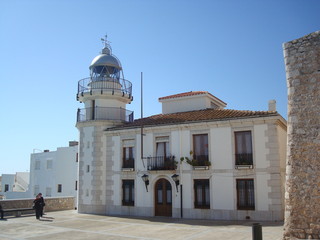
[(105, 95)]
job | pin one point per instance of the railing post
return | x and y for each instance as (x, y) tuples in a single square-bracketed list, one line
[(256, 231), (78, 115)]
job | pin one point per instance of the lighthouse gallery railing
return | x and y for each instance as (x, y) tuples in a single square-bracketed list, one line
[(104, 113), (104, 83)]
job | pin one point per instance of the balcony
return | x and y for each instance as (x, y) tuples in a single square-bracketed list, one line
[(105, 84), (161, 163), (128, 163), (244, 160), (201, 160), (104, 113)]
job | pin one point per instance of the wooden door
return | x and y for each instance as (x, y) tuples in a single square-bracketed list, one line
[(163, 198)]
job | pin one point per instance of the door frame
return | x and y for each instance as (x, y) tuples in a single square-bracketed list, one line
[(167, 209)]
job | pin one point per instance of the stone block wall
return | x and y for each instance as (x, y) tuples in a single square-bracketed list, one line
[(302, 213), (52, 204)]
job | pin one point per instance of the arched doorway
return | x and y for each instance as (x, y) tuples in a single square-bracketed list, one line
[(163, 198)]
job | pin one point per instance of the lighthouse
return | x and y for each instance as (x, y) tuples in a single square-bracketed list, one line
[(104, 95)]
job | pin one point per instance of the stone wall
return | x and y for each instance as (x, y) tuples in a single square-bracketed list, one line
[(52, 204), (302, 213)]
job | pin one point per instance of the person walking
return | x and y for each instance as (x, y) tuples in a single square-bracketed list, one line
[(42, 204), (37, 206), (1, 211)]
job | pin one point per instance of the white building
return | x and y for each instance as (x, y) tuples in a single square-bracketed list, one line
[(14, 185), (55, 173), (197, 159)]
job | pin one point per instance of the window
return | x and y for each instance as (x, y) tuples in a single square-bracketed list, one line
[(76, 186), (37, 165), (162, 147), (128, 153), (163, 160), (200, 149), (243, 151), (48, 192), (128, 192), (6, 187), (59, 188), (201, 193), (36, 190), (77, 157), (245, 194), (88, 168), (128, 159), (49, 164)]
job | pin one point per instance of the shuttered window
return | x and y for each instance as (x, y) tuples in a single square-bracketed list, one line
[(245, 194)]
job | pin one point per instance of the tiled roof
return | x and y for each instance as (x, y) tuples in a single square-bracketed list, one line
[(195, 116), (187, 94), (192, 93)]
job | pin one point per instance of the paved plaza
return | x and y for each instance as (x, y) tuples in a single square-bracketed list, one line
[(71, 225)]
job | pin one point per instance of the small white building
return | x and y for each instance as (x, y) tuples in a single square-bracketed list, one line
[(14, 185), (195, 160), (55, 173)]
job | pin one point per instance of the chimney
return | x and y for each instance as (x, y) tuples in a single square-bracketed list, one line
[(73, 143), (272, 105)]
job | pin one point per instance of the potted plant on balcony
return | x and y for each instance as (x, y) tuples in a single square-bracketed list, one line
[(193, 161)]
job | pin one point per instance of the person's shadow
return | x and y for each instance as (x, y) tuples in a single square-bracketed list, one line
[(46, 219)]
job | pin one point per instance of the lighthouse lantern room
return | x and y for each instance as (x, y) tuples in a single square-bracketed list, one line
[(105, 93)]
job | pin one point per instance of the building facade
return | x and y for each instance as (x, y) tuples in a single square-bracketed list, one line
[(195, 160), (14, 185), (55, 173)]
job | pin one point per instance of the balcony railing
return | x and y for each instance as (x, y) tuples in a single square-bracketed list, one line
[(161, 163), (128, 163), (244, 159), (104, 113), (200, 160), (105, 83)]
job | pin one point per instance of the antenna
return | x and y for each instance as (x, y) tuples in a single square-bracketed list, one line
[(142, 121)]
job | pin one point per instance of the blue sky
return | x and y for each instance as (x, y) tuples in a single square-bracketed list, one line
[(231, 48)]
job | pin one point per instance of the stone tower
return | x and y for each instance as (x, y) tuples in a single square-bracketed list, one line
[(104, 95), (302, 213)]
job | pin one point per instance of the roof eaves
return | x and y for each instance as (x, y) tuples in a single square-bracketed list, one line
[(192, 121)]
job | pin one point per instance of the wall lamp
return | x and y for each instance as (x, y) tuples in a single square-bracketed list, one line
[(145, 178), (175, 178)]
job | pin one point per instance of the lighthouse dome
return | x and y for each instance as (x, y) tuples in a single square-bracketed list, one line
[(105, 60), (105, 63)]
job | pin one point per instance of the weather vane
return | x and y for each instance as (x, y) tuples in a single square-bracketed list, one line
[(105, 41)]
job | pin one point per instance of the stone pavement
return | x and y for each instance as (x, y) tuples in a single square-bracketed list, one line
[(71, 225)]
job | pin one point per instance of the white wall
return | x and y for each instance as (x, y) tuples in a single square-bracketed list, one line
[(259, 145), (262, 191), (63, 169), (7, 179), (221, 148), (223, 194), (184, 105)]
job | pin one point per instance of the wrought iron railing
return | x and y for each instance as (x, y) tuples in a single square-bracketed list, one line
[(201, 160), (128, 163), (104, 83), (244, 159), (104, 113), (161, 163)]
